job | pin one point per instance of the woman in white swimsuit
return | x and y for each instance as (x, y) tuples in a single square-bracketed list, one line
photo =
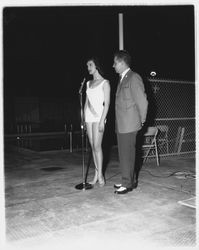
[(95, 112)]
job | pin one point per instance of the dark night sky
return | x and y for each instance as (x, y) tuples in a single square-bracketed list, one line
[(46, 48)]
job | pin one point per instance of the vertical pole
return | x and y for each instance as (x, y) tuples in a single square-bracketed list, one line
[(71, 138), (83, 160), (121, 33), (30, 128), (18, 130), (71, 141)]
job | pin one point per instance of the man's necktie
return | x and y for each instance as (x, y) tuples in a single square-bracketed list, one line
[(119, 83)]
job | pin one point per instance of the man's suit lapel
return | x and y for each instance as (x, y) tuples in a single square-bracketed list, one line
[(124, 80), (126, 77), (119, 86)]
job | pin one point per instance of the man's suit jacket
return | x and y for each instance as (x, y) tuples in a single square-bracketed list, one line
[(130, 103)]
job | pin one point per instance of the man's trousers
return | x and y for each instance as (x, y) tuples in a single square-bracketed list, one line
[(127, 154)]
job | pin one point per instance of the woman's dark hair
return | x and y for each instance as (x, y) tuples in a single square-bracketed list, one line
[(97, 64), (123, 55)]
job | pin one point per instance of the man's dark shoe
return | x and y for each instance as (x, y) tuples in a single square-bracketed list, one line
[(135, 184), (123, 190)]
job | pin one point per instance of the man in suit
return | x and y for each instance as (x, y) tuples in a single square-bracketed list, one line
[(130, 110)]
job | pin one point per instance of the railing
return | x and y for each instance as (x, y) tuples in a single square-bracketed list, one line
[(171, 108), (70, 140)]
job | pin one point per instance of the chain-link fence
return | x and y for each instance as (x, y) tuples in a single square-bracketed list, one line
[(172, 110)]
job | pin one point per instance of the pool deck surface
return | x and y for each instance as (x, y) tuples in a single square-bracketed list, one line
[(44, 210)]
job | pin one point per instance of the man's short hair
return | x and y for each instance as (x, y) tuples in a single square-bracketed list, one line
[(123, 55)]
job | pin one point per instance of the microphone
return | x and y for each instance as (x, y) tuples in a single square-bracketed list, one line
[(82, 85)]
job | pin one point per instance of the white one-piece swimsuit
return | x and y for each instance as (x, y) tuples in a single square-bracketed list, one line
[(95, 96)]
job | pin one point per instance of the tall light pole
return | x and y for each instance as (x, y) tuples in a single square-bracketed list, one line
[(121, 33)]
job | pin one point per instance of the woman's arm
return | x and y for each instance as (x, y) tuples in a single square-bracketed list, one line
[(106, 88), (86, 104)]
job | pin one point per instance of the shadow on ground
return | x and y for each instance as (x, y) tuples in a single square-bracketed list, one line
[(43, 208)]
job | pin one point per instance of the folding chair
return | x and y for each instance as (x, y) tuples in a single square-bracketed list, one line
[(163, 137), (150, 143)]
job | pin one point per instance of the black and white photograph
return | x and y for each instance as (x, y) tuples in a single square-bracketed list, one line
[(98, 125)]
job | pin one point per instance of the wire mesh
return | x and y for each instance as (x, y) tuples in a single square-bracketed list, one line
[(173, 108)]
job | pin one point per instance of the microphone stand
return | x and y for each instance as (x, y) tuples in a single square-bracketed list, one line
[(84, 185)]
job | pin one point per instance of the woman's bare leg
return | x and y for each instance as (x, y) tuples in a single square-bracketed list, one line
[(90, 137), (97, 146)]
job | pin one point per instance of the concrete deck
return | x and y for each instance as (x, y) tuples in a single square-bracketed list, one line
[(45, 211)]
